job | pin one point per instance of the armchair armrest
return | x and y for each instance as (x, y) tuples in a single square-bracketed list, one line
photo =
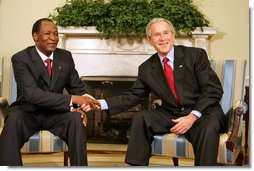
[(239, 109), (3, 106)]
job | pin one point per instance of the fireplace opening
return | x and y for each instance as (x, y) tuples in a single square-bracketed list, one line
[(102, 128)]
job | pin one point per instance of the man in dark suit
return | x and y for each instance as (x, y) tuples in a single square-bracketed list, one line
[(194, 110), (41, 104)]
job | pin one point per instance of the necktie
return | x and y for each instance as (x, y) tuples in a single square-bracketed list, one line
[(49, 68), (169, 73)]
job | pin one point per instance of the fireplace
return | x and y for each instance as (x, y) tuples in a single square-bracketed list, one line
[(109, 67), (101, 127)]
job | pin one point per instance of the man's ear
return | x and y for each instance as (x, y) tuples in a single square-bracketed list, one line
[(148, 39), (35, 37)]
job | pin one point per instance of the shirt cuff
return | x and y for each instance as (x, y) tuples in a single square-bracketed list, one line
[(71, 106), (104, 105), (196, 113)]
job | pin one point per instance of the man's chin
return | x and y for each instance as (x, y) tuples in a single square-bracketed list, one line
[(51, 49), (164, 51)]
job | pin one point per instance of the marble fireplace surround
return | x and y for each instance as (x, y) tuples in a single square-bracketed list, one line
[(95, 56)]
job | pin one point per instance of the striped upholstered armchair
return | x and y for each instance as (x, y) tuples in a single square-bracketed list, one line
[(232, 76), (41, 142)]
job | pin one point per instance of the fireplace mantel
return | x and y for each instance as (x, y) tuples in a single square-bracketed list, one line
[(96, 56)]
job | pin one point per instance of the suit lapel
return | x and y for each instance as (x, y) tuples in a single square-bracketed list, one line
[(40, 66), (56, 69), (179, 72)]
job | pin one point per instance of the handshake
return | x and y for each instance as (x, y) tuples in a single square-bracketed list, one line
[(86, 102)]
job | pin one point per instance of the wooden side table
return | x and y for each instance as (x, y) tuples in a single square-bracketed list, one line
[(246, 118)]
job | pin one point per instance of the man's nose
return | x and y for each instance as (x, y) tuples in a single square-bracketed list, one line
[(52, 36), (162, 36)]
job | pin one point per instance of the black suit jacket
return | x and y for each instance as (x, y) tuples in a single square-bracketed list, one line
[(197, 84), (35, 90)]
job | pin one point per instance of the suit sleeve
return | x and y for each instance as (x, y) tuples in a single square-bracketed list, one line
[(128, 99), (209, 84)]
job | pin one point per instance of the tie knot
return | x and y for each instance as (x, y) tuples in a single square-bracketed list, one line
[(48, 61), (165, 60)]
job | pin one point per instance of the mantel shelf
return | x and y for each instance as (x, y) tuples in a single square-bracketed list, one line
[(96, 56), (71, 30)]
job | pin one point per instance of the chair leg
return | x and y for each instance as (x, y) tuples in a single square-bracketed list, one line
[(239, 159), (175, 161), (66, 158)]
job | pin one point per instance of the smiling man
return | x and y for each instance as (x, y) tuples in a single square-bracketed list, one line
[(42, 72), (190, 91)]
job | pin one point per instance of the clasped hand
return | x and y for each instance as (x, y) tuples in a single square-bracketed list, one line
[(86, 102)]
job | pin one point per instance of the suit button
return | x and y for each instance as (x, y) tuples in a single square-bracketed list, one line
[(182, 109)]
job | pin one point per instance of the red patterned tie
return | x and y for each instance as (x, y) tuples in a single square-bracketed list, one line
[(48, 62), (169, 73)]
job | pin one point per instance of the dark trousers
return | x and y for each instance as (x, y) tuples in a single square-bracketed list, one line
[(20, 125), (203, 135)]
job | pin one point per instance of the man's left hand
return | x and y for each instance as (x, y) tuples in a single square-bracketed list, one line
[(82, 114), (183, 124)]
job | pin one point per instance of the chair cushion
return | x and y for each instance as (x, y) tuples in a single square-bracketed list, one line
[(44, 142), (173, 145)]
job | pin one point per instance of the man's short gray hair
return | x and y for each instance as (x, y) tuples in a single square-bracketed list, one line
[(156, 20)]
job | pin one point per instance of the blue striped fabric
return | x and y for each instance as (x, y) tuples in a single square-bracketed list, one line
[(232, 76), (34, 143), (157, 144), (44, 142), (181, 146), (228, 84)]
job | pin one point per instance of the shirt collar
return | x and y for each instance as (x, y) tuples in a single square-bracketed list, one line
[(44, 57), (170, 55)]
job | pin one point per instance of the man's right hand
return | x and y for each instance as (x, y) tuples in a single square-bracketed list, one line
[(86, 103)]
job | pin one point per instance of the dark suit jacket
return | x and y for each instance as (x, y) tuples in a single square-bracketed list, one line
[(35, 90), (197, 84)]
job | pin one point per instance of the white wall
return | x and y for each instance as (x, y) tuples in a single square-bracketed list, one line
[(16, 20), (230, 17)]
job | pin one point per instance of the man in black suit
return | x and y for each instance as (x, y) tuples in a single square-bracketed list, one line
[(194, 111), (41, 104)]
